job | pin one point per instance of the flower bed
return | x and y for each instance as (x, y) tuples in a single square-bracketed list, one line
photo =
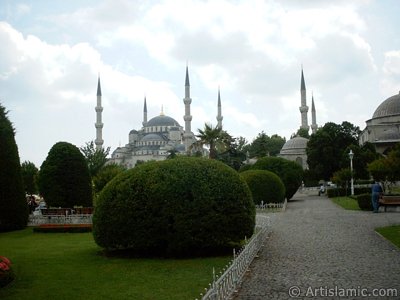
[(6, 273), (72, 228)]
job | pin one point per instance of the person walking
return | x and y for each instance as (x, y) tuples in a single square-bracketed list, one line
[(376, 194)]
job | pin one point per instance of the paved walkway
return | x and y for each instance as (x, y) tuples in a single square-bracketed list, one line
[(316, 246)]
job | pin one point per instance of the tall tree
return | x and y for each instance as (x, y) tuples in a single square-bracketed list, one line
[(263, 145), (13, 207), (95, 158), (210, 136), (327, 149), (64, 178), (29, 177)]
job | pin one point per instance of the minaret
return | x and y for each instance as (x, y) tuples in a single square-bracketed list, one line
[(314, 125), (99, 125), (144, 112), (303, 107), (219, 116), (188, 135)]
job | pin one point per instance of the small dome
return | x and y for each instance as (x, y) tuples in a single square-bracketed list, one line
[(133, 131), (389, 107), (152, 137), (297, 142), (162, 121)]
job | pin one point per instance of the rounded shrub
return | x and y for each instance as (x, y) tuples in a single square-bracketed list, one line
[(185, 206), (64, 179), (264, 186), (290, 172)]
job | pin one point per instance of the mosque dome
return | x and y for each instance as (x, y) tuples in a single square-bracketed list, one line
[(294, 144), (162, 120), (390, 134), (133, 131), (151, 137), (389, 107)]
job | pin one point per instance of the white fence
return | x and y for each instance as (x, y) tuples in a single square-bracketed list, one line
[(226, 284), (59, 219), (272, 206)]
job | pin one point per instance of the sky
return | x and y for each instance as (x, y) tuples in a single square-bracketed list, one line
[(52, 53)]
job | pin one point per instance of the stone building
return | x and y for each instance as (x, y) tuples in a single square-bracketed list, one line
[(158, 137), (383, 129)]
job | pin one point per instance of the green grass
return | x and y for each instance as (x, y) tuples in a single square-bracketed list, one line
[(392, 233), (71, 266), (346, 203)]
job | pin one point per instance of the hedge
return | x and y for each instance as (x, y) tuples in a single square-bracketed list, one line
[(341, 192), (265, 186), (364, 201), (185, 206)]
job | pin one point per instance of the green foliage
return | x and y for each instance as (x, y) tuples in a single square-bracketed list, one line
[(178, 207), (342, 177), (264, 145), (64, 179), (105, 175), (388, 168), (290, 172), (63, 228), (364, 201), (95, 158), (265, 186), (341, 192), (301, 132), (327, 149), (29, 177), (211, 136), (347, 203), (13, 208)]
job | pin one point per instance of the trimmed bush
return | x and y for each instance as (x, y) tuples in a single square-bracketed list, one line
[(364, 201), (64, 179), (265, 186), (13, 207), (6, 272), (63, 228), (185, 206), (290, 172)]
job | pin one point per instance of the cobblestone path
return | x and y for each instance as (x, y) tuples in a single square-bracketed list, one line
[(317, 250)]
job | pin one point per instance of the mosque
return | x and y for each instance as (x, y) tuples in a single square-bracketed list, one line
[(158, 136), (295, 148), (383, 129)]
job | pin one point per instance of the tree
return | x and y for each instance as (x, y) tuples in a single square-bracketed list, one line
[(233, 155), (64, 178), (105, 175), (263, 145), (95, 158), (210, 136), (13, 207), (29, 177), (327, 149), (342, 177), (301, 132)]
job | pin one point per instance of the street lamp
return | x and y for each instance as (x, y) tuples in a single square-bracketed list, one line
[(351, 155)]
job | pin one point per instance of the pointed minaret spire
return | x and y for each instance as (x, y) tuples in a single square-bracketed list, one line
[(303, 108), (162, 110), (188, 134), (219, 116), (314, 125), (144, 112), (99, 125)]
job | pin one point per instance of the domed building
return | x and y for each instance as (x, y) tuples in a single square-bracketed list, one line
[(157, 138), (383, 129), (295, 150)]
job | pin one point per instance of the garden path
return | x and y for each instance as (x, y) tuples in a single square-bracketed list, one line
[(317, 246)]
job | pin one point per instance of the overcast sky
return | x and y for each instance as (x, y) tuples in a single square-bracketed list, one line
[(52, 52)]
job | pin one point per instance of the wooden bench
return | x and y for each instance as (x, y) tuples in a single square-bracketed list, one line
[(386, 201)]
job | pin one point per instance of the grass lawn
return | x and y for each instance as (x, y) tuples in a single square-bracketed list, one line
[(346, 203), (71, 266), (392, 233)]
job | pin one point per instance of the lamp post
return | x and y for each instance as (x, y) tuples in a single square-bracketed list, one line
[(351, 155)]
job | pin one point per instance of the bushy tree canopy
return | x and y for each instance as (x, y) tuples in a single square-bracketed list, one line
[(105, 175), (64, 179), (183, 206), (95, 158), (29, 177), (327, 149), (264, 145), (13, 207)]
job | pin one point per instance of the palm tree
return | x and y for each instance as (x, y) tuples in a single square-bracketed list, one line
[(210, 136)]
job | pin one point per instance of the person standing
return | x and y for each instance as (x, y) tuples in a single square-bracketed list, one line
[(376, 194)]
